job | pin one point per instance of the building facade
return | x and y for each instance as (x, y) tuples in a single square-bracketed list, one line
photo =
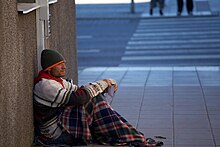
[(25, 30)]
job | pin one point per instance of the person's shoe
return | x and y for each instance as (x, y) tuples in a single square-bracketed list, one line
[(161, 12), (137, 144), (179, 14), (151, 11), (190, 13), (153, 142)]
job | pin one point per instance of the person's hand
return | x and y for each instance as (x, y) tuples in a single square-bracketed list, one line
[(108, 82), (115, 87), (111, 83)]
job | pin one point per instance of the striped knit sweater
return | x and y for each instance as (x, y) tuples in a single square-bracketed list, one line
[(52, 96)]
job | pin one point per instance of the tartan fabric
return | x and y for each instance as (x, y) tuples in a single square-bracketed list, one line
[(74, 121), (99, 121)]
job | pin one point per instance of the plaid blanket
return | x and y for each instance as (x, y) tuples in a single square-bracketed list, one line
[(98, 122)]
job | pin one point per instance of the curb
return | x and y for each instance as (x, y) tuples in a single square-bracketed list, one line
[(213, 14)]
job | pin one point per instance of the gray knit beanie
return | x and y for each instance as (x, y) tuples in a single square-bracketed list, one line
[(50, 58)]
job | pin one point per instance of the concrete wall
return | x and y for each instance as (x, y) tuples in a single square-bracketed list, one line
[(26, 1), (18, 65), (63, 33)]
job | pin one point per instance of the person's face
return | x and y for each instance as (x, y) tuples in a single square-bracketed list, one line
[(58, 71)]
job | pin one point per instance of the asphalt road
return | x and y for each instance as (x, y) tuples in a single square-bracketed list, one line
[(174, 41), (103, 42)]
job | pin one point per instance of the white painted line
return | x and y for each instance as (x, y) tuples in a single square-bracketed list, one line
[(108, 2), (147, 23), (84, 37), (176, 57), (89, 51), (214, 26), (204, 13), (174, 41), (175, 29), (157, 47), (146, 38), (168, 51), (165, 47), (175, 33)]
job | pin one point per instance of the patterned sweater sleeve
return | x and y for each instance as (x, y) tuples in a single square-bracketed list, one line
[(52, 94), (98, 87), (85, 93)]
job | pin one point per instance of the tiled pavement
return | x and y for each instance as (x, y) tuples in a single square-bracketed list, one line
[(180, 103)]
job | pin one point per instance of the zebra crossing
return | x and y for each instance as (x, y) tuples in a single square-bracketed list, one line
[(174, 41)]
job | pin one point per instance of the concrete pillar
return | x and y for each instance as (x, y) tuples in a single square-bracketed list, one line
[(18, 49), (18, 65), (63, 34)]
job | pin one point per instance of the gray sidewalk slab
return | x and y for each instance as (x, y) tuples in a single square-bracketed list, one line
[(180, 103)]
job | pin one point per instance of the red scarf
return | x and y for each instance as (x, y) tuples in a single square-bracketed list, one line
[(45, 75)]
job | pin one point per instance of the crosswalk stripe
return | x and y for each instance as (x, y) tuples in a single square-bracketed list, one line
[(84, 37), (89, 51), (174, 46), (178, 26), (192, 51), (175, 29), (169, 57), (166, 40), (167, 23), (217, 32), (168, 37), (174, 41)]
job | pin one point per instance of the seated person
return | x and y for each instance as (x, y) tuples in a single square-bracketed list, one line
[(69, 115)]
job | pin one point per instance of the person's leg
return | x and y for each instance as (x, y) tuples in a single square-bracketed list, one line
[(152, 5), (189, 6), (161, 6), (66, 139), (97, 122), (109, 127), (63, 140), (179, 6), (76, 122)]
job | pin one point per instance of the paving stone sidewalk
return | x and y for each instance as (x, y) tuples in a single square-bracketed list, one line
[(180, 103)]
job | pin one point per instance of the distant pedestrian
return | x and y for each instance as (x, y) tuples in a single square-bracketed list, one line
[(154, 3), (189, 7)]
